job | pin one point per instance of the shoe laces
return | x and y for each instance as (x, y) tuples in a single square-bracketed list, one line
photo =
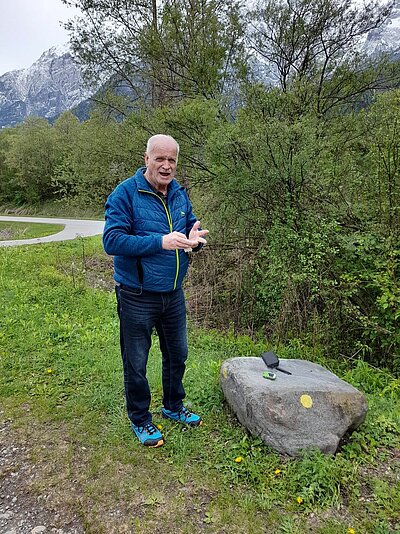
[(185, 412), (150, 428)]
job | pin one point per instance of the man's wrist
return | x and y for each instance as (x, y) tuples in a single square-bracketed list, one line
[(198, 247)]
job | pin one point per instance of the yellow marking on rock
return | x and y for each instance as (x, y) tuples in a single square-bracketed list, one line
[(225, 372), (306, 401)]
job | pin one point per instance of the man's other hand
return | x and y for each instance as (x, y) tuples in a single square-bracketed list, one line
[(197, 235)]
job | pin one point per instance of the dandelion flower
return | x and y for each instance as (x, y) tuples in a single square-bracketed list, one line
[(277, 472), (159, 427), (351, 531), (299, 499), (49, 371), (238, 459)]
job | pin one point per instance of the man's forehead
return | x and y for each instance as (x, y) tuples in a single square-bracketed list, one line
[(164, 147)]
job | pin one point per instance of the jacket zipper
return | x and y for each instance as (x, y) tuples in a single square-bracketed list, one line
[(171, 230)]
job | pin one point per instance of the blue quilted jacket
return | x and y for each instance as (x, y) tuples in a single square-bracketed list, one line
[(136, 219)]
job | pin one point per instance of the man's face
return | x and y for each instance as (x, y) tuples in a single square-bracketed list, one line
[(161, 164)]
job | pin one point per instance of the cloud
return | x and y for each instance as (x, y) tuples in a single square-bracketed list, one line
[(28, 28)]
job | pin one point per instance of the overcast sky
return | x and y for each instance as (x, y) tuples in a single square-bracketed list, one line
[(28, 28)]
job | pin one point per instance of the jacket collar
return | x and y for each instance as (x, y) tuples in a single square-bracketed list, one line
[(142, 183)]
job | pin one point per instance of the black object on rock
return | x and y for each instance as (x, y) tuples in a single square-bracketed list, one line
[(271, 360)]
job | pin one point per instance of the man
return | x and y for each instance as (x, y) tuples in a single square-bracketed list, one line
[(149, 228)]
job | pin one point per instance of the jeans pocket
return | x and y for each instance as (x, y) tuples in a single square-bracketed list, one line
[(135, 291)]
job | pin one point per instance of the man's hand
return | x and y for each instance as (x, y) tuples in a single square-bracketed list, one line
[(177, 240), (197, 235)]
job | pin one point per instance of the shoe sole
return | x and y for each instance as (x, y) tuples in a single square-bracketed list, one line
[(158, 444), (161, 442)]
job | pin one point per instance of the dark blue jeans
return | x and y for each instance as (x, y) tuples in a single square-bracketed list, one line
[(139, 312)]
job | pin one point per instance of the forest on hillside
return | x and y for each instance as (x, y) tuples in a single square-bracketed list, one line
[(290, 150)]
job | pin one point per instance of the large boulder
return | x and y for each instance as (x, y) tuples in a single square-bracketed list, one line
[(312, 407)]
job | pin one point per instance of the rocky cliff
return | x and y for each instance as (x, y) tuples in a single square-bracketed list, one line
[(50, 86)]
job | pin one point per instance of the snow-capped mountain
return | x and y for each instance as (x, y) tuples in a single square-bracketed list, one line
[(385, 39), (54, 84), (50, 86)]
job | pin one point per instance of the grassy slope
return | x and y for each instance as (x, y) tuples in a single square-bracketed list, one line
[(60, 381), (20, 230), (56, 209)]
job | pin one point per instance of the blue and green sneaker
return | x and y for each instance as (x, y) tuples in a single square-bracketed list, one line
[(148, 435), (183, 416)]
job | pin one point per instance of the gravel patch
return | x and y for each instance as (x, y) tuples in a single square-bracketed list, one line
[(24, 510)]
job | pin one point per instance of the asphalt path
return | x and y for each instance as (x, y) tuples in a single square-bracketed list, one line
[(73, 228)]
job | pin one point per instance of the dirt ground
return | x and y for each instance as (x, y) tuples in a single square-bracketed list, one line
[(25, 509), (6, 234), (46, 486)]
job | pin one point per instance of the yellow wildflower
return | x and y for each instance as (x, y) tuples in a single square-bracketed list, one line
[(238, 459), (351, 531), (277, 471), (49, 371), (159, 427), (299, 499)]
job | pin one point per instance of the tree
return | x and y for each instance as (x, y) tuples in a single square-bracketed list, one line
[(196, 48), (33, 155), (315, 42), (105, 39), (381, 162), (9, 191), (158, 50), (96, 155)]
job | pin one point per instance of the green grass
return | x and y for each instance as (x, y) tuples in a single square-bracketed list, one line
[(61, 383), (22, 230), (56, 208)]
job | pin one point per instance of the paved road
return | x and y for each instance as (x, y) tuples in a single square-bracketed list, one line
[(73, 229)]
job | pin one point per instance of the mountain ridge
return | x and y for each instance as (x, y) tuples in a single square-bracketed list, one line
[(386, 38), (54, 82), (51, 85)]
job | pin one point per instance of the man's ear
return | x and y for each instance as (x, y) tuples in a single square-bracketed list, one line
[(146, 158)]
